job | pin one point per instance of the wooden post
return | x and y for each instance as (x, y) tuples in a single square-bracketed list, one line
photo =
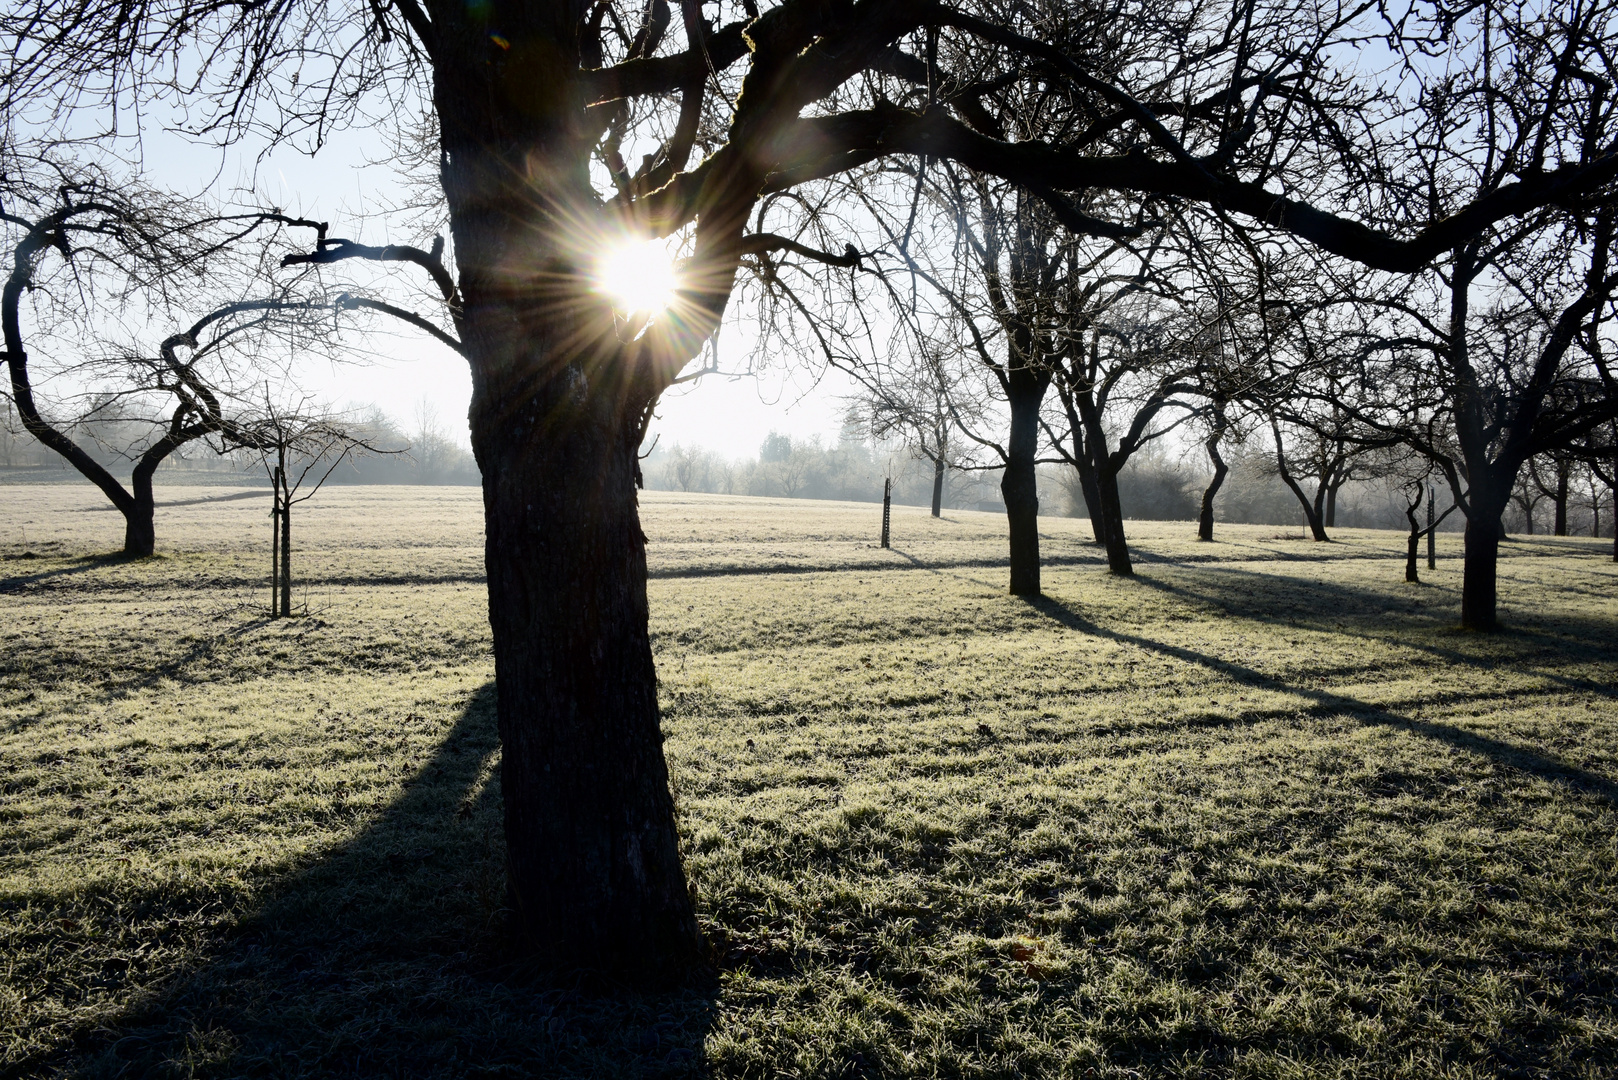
[(1432, 550), (275, 546), (887, 507)]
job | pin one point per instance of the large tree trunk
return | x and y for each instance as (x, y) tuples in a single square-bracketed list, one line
[(1478, 578), (1019, 487), (140, 528), (938, 486), (1331, 504), (593, 863), (560, 395)]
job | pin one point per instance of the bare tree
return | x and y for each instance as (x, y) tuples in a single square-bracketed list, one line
[(1601, 455), (1415, 492), (133, 249), (1330, 450), (690, 467), (1488, 388), (294, 443), (918, 398), (1559, 467), (1132, 367), (1502, 338), (1412, 476), (1218, 427)]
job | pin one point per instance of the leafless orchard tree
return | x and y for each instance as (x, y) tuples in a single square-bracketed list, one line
[(1499, 349), (918, 398), (87, 253), (1553, 475), (1325, 447), (1133, 368), (541, 108), (1600, 454), (297, 443), (1489, 386), (1007, 295), (1228, 382), (1416, 490)]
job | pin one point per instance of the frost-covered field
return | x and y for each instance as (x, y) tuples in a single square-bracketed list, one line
[(1261, 811)]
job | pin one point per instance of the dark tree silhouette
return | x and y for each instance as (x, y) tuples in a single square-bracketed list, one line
[(120, 242)]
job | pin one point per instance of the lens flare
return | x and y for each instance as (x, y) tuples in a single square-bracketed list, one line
[(638, 276)]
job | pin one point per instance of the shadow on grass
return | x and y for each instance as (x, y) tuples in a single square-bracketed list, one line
[(80, 565), (387, 956), (1096, 557), (177, 667), (1325, 605), (236, 497), (1542, 765)]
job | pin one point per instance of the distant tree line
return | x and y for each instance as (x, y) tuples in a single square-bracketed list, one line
[(852, 468), (421, 452), (1153, 486)]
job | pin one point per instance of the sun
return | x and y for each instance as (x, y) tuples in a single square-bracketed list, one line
[(638, 275)]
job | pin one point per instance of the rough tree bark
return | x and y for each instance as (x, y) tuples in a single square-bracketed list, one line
[(1018, 484), (594, 871), (1479, 575), (593, 861)]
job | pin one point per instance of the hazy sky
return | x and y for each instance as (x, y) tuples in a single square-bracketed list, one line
[(347, 185)]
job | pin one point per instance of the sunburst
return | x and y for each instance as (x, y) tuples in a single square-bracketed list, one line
[(638, 275)]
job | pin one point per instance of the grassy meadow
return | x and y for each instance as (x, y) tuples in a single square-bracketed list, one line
[(1262, 811)]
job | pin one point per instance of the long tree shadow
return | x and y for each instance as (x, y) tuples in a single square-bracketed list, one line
[(1537, 763), (1330, 603), (389, 956), (80, 565), (234, 497)]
